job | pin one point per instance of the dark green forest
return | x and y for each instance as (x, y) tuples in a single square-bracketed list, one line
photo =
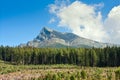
[(93, 57)]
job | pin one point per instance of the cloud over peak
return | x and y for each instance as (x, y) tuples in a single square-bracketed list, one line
[(86, 20), (112, 24)]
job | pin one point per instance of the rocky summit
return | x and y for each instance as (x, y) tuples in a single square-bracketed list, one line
[(52, 38)]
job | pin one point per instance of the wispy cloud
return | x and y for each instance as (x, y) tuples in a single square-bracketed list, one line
[(99, 6), (52, 20), (86, 20)]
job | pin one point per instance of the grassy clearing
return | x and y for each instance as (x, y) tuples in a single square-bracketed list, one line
[(6, 67), (56, 72)]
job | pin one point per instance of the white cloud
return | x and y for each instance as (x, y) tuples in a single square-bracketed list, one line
[(52, 20), (53, 8), (112, 24), (86, 20), (59, 4), (99, 6)]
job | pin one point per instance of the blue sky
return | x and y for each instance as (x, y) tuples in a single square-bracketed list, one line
[(22, 20)]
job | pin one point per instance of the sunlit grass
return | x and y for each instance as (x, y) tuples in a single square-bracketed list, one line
[(57, 72)]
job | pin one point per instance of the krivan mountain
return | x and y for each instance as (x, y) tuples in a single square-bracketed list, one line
[(52, 38)]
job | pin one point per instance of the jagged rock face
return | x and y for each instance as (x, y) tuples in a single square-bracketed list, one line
[(45, 34), (51, 38)]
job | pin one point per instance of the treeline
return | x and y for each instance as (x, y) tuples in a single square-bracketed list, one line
[(102, 57)]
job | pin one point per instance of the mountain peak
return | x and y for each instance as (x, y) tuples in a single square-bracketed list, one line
[(45, 34), (52, 38), (47, 29)]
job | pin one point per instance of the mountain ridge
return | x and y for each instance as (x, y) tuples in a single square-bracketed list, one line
[(52, 38)]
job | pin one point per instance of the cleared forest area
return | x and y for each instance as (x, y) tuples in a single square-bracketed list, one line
[(57, 72)]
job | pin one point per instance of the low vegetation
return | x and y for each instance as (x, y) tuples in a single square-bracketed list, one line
[(56, 72)]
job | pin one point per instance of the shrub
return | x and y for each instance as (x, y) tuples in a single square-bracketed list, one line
[(83, 74), (72, 77), (109, 76), (48, 77), (117, 74), (55, 77)]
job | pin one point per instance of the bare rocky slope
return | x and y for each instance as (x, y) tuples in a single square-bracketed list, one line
[(51, 38)]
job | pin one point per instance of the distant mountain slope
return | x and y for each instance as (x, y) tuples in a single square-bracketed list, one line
[(51, 38)]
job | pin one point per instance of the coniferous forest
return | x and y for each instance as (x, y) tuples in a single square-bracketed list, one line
[(92, 57)]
